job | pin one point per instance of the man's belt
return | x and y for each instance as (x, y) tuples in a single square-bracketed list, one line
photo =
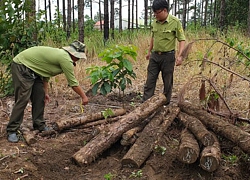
[(161, 53)]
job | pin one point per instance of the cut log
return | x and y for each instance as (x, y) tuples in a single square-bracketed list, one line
[(189, 149), (29, 137), (211, 157), (130, 133), (170, 114), (105, 139), (197, 128), (129, 137), (220, 126), (72, 122), (150, 135), (99, 122), (143, 146), (128, 142)]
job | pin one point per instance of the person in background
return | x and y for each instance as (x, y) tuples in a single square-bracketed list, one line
[(31, 70), (166, 29)]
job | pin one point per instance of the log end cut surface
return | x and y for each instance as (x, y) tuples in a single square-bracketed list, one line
[(209, 163), (188, 155)]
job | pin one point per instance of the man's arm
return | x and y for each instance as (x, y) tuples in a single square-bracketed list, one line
[(179, 58), (150, 47), (46, 91), (80, 91)]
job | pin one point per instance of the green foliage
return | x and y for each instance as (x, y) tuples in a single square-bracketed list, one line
[(16, 34), (243, 53), (118, 71), (136, 174), (108, 176), (160, 149), (107, 113), (232, 159)]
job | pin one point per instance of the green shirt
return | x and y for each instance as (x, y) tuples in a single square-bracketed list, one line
[(48, 62), (165, 34)]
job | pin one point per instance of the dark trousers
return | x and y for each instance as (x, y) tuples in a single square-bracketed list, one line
[(163, 63), (27, 86)]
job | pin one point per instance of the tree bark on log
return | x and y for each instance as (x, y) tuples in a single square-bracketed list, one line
[(150, 136), (197, 128), (170, 115), (99, 122), (29, 137), (105, 139), (143, 146), (220, 126), (130, 133), (189, 149), (129, 137), (211, 157), (67, 123), (128, 142)]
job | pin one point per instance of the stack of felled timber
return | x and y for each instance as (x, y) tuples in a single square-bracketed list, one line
[(142, 128)]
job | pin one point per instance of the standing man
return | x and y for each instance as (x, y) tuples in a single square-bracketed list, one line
[(31, 70), (166, 29)]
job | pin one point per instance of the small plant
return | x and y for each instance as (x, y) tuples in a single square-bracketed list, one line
[(136, 174), (232, 159), (107, 113), (117, 73), (132, 104), (160, 149), (108, 176)]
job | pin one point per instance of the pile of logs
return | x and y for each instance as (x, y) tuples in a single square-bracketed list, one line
[(142, 129)]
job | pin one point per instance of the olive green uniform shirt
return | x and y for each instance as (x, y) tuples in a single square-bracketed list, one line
[(165, 34), (48, 62)]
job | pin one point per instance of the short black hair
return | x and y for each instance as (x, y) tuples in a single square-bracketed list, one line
[(159, 4)]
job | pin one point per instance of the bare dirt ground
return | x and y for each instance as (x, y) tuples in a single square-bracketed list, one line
[(50, 157)]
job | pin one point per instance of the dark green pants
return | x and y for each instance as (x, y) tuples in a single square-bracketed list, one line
[(27, 86), (163, 63)]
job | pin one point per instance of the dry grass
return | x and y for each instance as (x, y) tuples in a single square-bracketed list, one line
[(187, 78)]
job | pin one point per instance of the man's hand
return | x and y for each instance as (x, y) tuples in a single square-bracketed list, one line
[(179, 60), (148, 56), (47, 99), (85, 100)]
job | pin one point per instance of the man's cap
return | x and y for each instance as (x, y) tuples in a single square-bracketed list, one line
[(76, 49)]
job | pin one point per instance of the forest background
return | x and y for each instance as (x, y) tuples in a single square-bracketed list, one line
[(26, 23)]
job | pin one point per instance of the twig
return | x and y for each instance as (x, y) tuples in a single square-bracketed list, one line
[(227, 115), (226, 69), (217, 91), (25, 175), (18, 151), (4, 157)]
